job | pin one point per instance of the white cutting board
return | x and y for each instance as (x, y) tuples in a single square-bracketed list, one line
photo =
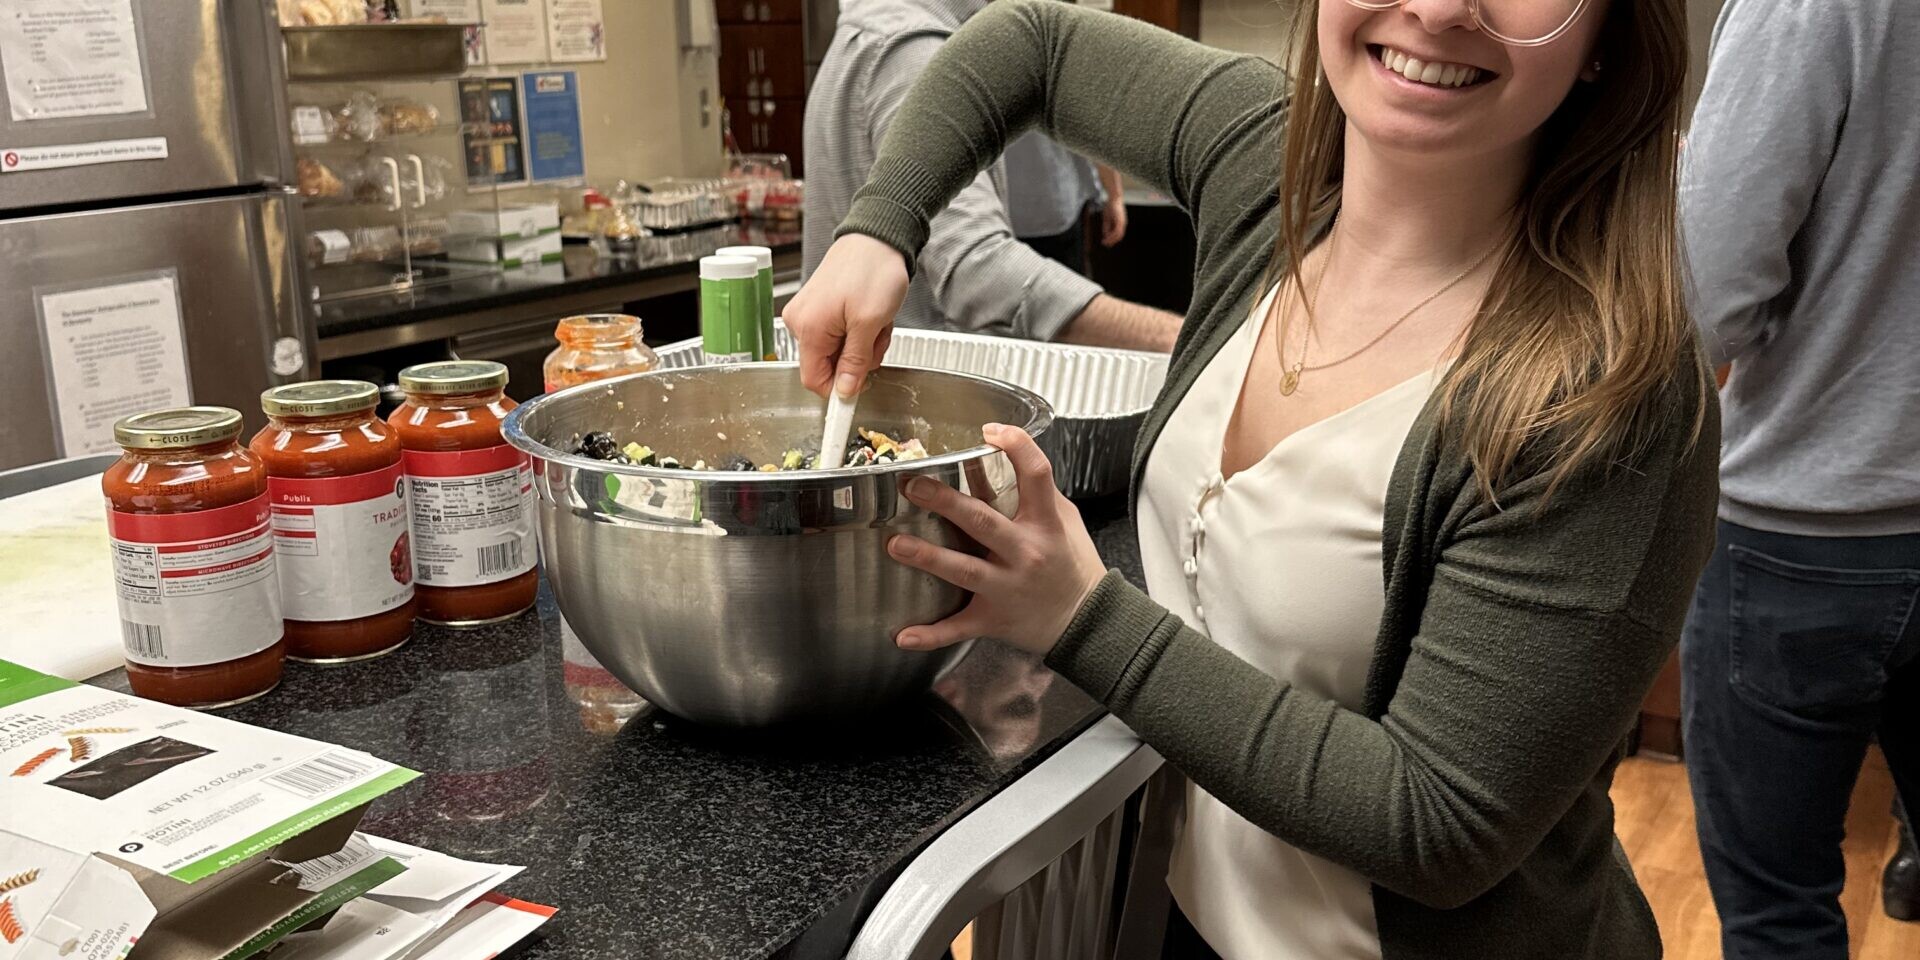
[(58, 613)]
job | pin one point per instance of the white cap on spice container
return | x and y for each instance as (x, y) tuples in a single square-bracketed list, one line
[(762, 256), (728, 268)]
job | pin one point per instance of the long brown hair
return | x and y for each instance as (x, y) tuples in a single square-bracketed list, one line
[(1584, 320)]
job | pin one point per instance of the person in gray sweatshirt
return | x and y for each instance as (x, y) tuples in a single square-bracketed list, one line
[(1800, 203)]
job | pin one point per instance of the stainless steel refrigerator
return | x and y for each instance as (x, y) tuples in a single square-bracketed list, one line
[(147, 241)]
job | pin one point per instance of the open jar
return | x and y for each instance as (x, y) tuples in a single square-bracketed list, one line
[(596, 346)]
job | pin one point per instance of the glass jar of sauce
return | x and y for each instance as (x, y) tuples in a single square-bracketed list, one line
[(469, 495), (193, 561), (594, 347), (338, 494)]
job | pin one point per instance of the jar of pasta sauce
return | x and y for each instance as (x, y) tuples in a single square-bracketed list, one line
[(596, 346), (193, 563), (469, 495), (338, 493)]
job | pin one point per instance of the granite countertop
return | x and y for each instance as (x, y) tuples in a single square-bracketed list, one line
[(579, 270), (659, 838)]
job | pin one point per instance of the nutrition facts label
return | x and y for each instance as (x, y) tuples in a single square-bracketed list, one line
[(196, 588), (472, 516)]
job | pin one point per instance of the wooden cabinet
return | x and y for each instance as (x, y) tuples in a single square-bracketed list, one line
[(771, 126), (763, 61), (760, 11), (1180, 16), (763, 76)]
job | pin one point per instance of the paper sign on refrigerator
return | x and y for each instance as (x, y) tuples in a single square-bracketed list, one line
[(112, 351), (71, 58)]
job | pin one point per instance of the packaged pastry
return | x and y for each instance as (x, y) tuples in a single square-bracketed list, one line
[(377, 243), (324, 13), (312, 13), (326, 247), (358, 118), (402, 117), (428, 235), (316, 179), (376, 183), (313, 124), (348, 11), (426, 182)]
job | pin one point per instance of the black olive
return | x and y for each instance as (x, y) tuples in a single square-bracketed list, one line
[(741, 464), (599, 445)]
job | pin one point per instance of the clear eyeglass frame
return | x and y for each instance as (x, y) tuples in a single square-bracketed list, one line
[(1579, 8)]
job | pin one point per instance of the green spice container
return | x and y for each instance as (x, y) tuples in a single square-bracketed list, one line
[(763, 258), (729, 309)]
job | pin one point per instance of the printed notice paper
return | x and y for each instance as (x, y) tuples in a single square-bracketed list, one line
[(516, 30), (71, 58), (458, 11), (21, 159), (576, 31), (553, 125), (112, 351)]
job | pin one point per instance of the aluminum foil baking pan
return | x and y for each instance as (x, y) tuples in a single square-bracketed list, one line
[(1100, 397)]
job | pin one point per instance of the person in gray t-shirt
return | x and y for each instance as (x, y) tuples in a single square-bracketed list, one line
[(1800, 203)]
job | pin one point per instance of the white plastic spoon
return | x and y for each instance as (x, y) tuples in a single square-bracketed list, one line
[(839, 428)]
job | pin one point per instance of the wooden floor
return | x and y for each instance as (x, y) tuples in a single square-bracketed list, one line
[(1656, 827)]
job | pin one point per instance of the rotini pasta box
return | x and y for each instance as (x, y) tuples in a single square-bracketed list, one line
[(129, 827)]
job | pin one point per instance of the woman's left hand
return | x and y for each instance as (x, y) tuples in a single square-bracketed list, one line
[(1040, 565)]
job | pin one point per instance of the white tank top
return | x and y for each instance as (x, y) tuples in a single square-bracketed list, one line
[(1280, 565)]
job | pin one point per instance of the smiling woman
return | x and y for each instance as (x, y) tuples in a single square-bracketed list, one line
[(1423, 503)]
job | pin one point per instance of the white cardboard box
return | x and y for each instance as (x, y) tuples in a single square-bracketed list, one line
[(509, 252), (522, 221), (201, 838)]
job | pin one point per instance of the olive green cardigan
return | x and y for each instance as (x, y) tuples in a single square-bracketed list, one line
[(1517, 641)]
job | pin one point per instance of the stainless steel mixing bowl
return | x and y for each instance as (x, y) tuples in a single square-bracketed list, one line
[(747, 599)]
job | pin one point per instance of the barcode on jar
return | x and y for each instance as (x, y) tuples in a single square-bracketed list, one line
[(143, 640), (501, 558), (320, 775)]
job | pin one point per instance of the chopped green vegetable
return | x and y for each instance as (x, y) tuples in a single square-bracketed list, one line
[(869, 447)]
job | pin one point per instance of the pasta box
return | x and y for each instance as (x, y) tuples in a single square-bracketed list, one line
[(128, 825)]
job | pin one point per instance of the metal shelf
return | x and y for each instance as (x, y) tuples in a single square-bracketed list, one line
[(444, 131), (375, 51)]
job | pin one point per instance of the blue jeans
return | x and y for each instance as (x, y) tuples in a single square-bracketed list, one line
[(1798, 652)]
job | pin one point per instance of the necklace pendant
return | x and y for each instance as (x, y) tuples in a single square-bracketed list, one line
[(1289, 382)]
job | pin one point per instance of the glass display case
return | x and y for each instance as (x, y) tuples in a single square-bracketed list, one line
[(380, 140)]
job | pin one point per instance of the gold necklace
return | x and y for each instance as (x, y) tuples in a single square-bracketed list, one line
[(1290, 378)]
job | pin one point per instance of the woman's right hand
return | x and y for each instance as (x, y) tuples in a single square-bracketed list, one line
[(842, 320)]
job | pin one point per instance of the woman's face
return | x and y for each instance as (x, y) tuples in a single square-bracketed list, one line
[(1508, 92)]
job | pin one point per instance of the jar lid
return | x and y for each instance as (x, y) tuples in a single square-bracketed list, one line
[(178, 428), (454, 376), (320, 398), (761, 256), (728, 268)]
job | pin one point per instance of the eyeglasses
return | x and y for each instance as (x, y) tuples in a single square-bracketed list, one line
[(1520, 23)]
